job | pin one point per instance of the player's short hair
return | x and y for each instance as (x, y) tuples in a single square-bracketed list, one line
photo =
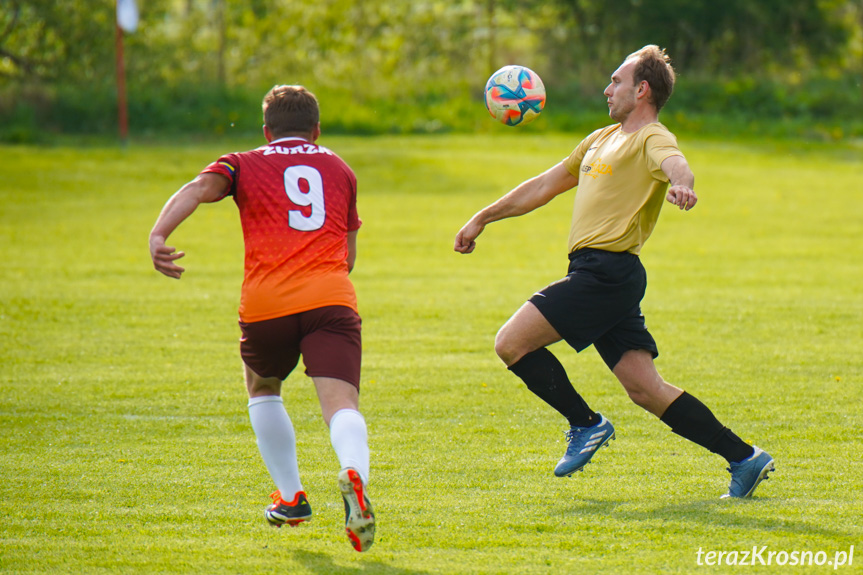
[(290, 110), (654, 67)]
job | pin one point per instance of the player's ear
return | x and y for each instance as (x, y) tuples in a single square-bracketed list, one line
[(643, 89), (316, 132), (267, 134)]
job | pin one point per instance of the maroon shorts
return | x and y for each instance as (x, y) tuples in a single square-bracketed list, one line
[(328, 338)]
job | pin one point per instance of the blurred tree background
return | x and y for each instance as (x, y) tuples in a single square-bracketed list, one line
[(788, 67)]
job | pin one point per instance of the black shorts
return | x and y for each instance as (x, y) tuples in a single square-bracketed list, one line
[(598, 303), (328, 338)]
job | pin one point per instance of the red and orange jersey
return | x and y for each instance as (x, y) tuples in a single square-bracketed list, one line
[(297, 202)]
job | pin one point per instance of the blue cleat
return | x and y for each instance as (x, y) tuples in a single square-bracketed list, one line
[(583, 443), (746, 475)]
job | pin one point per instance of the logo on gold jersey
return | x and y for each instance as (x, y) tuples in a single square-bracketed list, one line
[(596, 168)]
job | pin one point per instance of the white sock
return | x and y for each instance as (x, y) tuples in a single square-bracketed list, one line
[(349, 437), (277, 442)]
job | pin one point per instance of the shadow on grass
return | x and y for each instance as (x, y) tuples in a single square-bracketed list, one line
[(711, 513), (323, 563)]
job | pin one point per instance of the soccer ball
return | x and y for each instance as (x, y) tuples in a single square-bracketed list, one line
[(514, 95)]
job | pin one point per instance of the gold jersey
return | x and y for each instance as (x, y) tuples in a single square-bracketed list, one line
[(621, 186)]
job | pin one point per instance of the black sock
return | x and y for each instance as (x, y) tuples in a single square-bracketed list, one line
[(691, 419), (545, 376)]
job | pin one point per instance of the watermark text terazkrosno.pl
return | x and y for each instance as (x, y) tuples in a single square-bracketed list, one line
[(763, 555)]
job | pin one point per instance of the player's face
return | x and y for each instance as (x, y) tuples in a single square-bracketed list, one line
[(620, 93)]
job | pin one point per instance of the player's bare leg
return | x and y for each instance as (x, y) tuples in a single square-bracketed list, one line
[(526, 331), (646, 388), (334, 395), (259, 386)]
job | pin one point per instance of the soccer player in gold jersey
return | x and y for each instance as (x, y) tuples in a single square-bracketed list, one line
[(623, 172)]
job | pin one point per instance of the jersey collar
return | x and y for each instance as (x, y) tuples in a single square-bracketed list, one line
[(285, 139)]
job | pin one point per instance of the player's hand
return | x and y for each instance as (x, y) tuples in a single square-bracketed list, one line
[(682, 197), (163, 258), (465, 239)]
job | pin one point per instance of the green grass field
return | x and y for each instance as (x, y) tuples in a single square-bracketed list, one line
[(125, 445)]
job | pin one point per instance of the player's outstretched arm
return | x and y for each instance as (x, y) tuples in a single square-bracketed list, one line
[(528, 196), (203, 189), (681, 192)]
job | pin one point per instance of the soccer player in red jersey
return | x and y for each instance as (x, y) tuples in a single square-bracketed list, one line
[(298, 211)]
